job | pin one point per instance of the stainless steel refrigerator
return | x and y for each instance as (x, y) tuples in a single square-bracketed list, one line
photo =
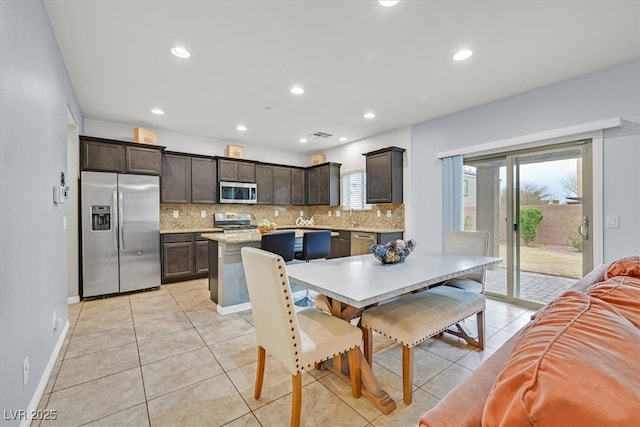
[(120, 232)]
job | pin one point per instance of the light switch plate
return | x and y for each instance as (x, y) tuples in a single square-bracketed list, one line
[(337, 213), (613, 221), (388, 214), (379, 214), (276, 213)]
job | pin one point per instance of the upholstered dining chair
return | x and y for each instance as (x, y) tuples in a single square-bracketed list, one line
[(280, 243), (297, 339), (468, 243), (315, 245)]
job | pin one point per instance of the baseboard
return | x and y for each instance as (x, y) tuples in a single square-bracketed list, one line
[(234, 308), (73, 300), (44, 379)]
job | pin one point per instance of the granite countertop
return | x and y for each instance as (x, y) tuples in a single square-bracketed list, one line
[(190, 230), (246, 237), (287, 227)]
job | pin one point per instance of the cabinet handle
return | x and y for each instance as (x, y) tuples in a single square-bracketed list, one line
[(121, 221), (116, 221)]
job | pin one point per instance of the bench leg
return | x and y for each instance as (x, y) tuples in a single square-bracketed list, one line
[(466, 335), (407, 374)]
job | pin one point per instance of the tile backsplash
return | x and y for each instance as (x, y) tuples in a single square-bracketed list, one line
[(191, 216)]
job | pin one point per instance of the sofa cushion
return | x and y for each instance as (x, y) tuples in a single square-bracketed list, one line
[(575, 364), (629, 266), (623, 293)]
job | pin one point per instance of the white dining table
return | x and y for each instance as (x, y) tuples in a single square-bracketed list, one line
[(350, 284)]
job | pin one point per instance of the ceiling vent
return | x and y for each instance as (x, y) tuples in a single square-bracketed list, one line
[(320, 135)]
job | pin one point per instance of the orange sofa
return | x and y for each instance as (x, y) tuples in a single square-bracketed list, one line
[(576, 363)]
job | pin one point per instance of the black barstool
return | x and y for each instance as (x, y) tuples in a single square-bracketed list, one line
[(315, 245), (279, 242)]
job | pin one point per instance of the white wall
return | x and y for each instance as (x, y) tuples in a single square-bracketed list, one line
[(195, 144), (607, 93), (36, 95)]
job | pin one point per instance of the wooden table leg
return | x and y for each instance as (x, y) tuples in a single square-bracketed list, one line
[(370, 387)]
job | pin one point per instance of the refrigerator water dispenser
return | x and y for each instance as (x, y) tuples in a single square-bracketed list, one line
[(100, 218)]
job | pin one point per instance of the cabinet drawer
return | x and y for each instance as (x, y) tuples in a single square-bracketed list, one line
[(178, 237)]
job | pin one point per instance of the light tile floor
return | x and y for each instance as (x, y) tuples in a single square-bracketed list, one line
[(167, 358)]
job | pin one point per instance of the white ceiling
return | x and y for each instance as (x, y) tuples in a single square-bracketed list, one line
[(350, 56)]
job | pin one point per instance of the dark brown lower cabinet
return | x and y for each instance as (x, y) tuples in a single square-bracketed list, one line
[(340, 245), (185, 256)]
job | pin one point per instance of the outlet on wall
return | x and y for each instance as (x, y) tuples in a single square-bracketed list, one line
[(203, 214), (388, 214), (276, 213), (301, 213), (337, 213), (25, 371), (176, 214), (379, 214)]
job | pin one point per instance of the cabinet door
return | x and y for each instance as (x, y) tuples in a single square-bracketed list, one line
[(202, 257), (319, 186), (339, 248), (264, 181), (203, 180), (281, 185), (176, 179), (177, 260), (227, 170), (378, 168), (298, 182), (246, 172), (143, 160), (384, 175), (101, 156)]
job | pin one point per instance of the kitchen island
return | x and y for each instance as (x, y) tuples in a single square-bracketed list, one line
[(227, 283)]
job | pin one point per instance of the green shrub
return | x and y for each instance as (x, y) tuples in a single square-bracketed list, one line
[(574, 237), (468, 223), (530, 218)]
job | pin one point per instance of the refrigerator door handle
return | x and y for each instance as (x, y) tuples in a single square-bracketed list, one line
[(120, 220), (115, 221)]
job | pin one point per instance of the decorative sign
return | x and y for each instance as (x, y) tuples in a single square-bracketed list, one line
[(301, 222)]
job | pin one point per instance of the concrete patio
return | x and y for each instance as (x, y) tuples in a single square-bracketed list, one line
[(537, 287)]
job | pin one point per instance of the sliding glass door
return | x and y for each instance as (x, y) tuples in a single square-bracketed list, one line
[(537, 205)]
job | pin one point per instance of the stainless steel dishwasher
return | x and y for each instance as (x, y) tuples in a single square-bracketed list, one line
[(360, 242)]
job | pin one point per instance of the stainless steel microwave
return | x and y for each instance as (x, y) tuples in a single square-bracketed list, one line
[(238, 192)]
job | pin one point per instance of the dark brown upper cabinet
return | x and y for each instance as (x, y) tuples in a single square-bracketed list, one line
[(323, 184), (281, 185), (107, 155), (176, 178), (203, 180), (236, 171), (298, 182), (188, 179), (143, 160), (264, 181), (384, 175)]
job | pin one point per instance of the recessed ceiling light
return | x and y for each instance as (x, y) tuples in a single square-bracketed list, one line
[(297, 90), (462, 55), (241, 128), (369, 115), (180, 52), (343, 139), (157, 111), (388, 3), (303, 140)]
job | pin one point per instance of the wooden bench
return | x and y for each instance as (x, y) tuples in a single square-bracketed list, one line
[(414, 318)]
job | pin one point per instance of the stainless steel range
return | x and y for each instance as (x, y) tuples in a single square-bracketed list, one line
[(234, 222)]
